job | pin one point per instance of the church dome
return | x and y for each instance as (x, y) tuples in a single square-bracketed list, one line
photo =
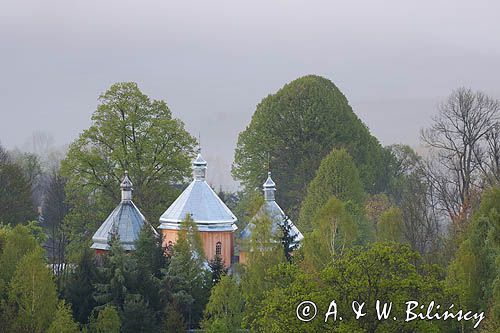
[(201, 203), (126, 222)]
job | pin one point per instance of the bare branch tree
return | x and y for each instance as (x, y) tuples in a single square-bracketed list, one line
[(463, 140)]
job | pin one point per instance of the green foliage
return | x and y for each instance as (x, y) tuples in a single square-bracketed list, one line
[(390, 226), (224, 311), (389, 272), (294, 129), (78, 286), (16, 203), (108, 321), (129, 132), (32, 293), (174, 320), (334, 229), (187, 279), (474, 273), (18, 242), (151, 265), (264, 252), (116, 276), (337, 176), (217, 268), (63, 321)]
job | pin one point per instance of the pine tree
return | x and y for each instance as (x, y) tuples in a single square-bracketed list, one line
[(187, 279), (174, 320), (115, 276), (217, 268), (78, 287), (63, 321), (288, 239), (151, 266)]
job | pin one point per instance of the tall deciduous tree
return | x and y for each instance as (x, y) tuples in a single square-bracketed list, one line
[(475, 270), (18, 243), (265, 251), (412, 191), (294, 129), (224, 311), (336, 176), (463, 138), (33, 294), (390, 226), (334, 229), (129, 132)]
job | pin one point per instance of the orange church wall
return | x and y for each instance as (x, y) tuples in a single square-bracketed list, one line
[(209, 240), (243, 257)]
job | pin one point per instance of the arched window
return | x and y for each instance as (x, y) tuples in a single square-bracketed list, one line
[(218, 249)]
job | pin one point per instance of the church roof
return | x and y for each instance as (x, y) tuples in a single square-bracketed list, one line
[(271, 209), (126, 222), (200, 202)]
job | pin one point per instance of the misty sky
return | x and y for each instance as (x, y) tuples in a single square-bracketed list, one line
[(213, 61)]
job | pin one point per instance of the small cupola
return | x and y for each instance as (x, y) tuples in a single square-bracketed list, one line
[(126, 187), (269, 188), (199, 167)]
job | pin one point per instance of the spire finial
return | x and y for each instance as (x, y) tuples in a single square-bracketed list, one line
[(126, 187)]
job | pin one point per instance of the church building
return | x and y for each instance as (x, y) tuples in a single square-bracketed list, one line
[(126, 222), (215, 221), (272, 210)]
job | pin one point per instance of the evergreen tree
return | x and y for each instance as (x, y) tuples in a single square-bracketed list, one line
[(337, 176), (137, 316), (288, 239), (16, 203), (187, 278), (115, 276), (78, 287), (224, 311), (218, 270), (151, 266), (33, 294), (294, 129), (54, 210), (63, 321), (174, 320)]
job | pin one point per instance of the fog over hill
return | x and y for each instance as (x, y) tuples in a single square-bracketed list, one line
[(214, 61)]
